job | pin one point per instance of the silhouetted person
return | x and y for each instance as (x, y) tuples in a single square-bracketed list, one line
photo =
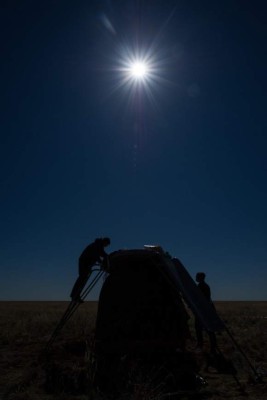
[(205, 289), (92, 254)]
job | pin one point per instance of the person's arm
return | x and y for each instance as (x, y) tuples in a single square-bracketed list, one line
[(102, 253), (100, 250)]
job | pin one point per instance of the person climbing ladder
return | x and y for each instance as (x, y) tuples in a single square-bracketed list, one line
[(92, 254)]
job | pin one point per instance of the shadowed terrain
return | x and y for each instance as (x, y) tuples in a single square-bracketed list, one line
[(66, 373)]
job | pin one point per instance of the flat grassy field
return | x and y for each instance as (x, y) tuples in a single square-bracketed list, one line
[(25, 328)]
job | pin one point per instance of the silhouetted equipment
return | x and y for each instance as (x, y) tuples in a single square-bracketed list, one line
[(203, 309), (74, 305), (257, 378), (199, 305), (142, 324)]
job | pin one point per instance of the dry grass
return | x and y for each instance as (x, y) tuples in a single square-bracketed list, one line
[(25, 328)]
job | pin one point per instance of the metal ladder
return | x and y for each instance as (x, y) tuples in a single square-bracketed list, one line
[(73, 306)]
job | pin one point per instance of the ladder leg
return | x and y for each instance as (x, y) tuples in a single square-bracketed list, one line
[(60, 324), (92, 284), (72, 308)]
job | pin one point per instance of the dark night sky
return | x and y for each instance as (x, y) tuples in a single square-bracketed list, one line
[(81, 158)]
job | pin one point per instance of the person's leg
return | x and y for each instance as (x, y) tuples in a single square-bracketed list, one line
[(213, 341), (199, 333), (78, 286), (80, 282)]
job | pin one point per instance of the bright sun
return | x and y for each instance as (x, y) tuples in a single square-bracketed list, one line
[(138, 70)]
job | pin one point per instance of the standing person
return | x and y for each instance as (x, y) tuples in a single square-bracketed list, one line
[(205, 289), (93, 253)]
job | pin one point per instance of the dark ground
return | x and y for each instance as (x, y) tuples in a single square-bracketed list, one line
[(25, 328)]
